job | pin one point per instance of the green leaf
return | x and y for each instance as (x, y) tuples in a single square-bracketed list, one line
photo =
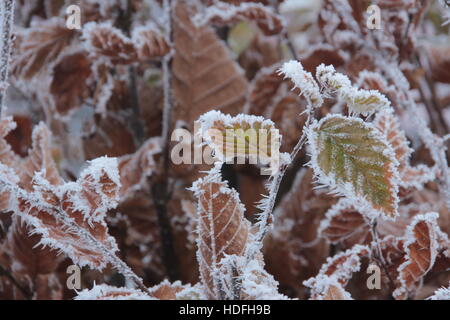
[(240, 37), (356, 161)]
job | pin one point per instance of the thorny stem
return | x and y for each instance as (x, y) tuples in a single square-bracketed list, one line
[(160, 190), (7, 16), (15, 282)]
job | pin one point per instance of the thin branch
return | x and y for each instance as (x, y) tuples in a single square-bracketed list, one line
[(266, 215), (160, 189), (16, 283), (379, 253), (5, 55)]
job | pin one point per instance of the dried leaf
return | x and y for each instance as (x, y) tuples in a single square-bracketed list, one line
[(40, 46), (420, 253), (71, 217), (105, 292), (222, 228), (341, 266), (241, 137), (328, 288), (411, 177), (204, 75), (343, 223), (104, 40), (224, 14), (68, 86), (136, 168), (149, 43)]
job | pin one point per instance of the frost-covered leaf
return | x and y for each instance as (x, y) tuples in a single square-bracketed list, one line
[(420, 247), (223, 14), (410, 176), (204, 75), (40, 158), (68, 87), (136, 168), (40, 46), (243, 136), (149, 42), (343, 223), (304, 81), (359, 101), (32, 264), (353, 159), (166, 290), (71, 216), (341, 266), (106, 292), (222, 228), (441, 294), (104, 40), (328, 288)]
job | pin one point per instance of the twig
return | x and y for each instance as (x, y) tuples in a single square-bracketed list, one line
[(160, 190), (380, 258), (8, 20), (266, 215), (15, 282)]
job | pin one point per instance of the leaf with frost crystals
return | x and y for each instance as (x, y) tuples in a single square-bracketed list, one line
[(329, 288), (354, 160), (304, 81), (221, 13), (222, 229), (106, 292), (71, 216), (243, 136), (359, 101), (421, 246)]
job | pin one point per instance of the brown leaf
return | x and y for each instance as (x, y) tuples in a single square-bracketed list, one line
[(40, 46), (411, 177), (68, 86), (204, 75), (224, 14), (136, 168), (328, 288), (343, 223), (71, 215), (31, 264), (40, 158), (106, 292), (222, 228), (341, 266), (149, 43), (421, 247), (103, 39)]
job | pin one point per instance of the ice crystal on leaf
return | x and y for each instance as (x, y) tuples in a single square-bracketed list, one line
[(222, 228), (106, 292), (224, 13), (304, 81), (241, 137), (354, 160), (71, 216), (359, 101)]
